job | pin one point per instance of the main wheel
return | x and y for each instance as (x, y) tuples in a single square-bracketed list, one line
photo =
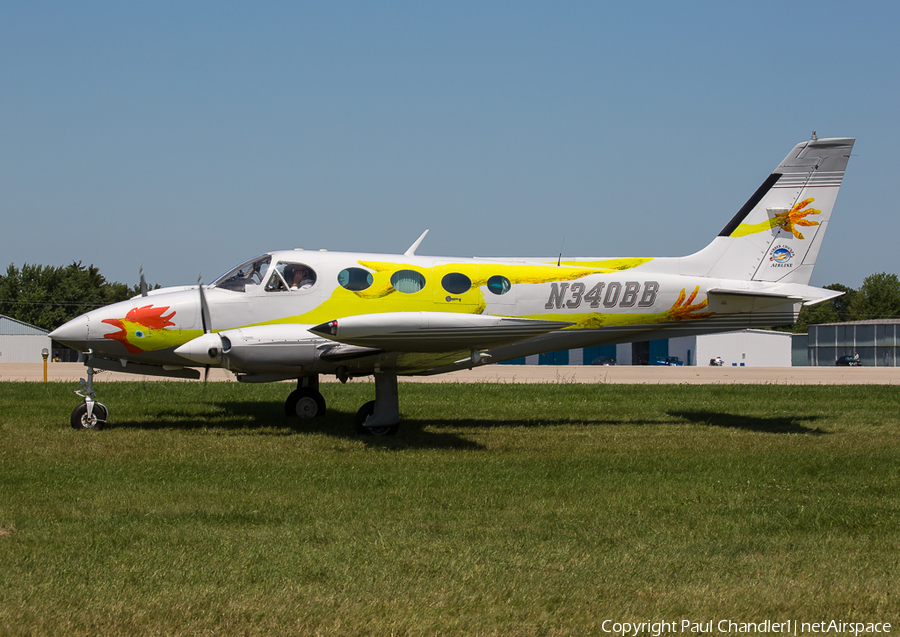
[(304, 403), (80, 420), (364, 412)]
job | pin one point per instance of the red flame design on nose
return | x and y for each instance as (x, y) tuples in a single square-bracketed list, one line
[(150, 317)]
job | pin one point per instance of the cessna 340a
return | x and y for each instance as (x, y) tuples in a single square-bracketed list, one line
[(297, 314)]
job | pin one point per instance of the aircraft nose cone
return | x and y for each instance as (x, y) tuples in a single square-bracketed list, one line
[(73, 334)]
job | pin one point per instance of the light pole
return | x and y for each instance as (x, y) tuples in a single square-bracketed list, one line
[(45, 353)]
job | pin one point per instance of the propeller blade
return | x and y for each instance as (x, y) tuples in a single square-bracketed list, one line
[(207, 328), (143, 282), (204, 308)]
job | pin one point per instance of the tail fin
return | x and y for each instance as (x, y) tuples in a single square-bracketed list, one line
[(777, 234)]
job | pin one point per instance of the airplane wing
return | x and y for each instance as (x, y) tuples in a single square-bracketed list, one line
[(432, 331), (129, 367), (338, 353)]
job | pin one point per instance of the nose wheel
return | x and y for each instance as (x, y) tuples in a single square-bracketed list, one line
[(84, 417), (91, 414)]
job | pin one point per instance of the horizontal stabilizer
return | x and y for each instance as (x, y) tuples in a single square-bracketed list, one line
[(754, 304), (778, 306), (432, 331), (792, 292)]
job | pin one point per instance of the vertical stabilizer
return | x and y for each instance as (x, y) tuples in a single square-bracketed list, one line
[(777, 234)]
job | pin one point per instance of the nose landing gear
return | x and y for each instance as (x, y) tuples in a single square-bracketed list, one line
[(91, 414)]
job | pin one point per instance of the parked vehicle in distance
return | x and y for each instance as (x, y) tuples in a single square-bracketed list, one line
[(716, 362), (848, 361), (669, 360), (604, 360)]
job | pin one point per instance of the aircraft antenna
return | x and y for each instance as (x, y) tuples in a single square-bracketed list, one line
[(559, 260), (412, 249)]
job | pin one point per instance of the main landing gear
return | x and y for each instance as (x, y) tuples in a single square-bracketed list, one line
[(379, 417), (91, 414), (305, 401)]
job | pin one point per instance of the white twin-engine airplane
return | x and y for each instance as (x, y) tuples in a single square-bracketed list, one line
[(296, 314)]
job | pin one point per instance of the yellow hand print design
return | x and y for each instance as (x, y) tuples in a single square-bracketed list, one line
[(787, 221), (683, 308), (796, 216)]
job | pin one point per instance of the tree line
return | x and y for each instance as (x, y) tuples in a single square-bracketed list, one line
[(877, 298), (47, 296)]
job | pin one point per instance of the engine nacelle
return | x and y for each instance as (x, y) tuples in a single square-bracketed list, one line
[(284, 348)]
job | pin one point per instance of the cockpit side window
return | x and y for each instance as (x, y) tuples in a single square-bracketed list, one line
[(291, 276), (246, 277), (276, 283)]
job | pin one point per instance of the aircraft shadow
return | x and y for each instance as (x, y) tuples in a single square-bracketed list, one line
[(260, 418), (772, 425), (267, 418)]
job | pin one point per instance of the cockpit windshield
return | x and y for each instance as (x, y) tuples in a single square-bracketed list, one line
[(246, 277)]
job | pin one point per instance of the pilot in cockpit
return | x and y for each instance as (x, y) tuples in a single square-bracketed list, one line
[(299, 277)]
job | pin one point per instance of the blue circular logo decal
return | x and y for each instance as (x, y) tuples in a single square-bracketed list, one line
[(781, 255)]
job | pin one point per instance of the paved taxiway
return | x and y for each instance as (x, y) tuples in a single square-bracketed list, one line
[(625, 374)]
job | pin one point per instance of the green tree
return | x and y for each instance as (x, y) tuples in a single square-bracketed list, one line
[(48, 296), (878, 298), (836, 310)]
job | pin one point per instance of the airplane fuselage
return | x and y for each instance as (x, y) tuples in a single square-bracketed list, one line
[(601, 300), (299, 313)]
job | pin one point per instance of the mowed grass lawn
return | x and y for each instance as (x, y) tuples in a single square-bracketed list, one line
[(497, 510)]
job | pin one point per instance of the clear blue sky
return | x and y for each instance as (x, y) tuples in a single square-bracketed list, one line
[(189, 136)]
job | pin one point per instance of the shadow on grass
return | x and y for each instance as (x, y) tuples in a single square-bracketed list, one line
[(770, 425), (267, 418)]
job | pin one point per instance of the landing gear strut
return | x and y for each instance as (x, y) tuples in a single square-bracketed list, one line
[(381, 417), (91, 414), (305, 401)]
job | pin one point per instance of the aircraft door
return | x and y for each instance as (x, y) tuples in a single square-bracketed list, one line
[(454, 291)]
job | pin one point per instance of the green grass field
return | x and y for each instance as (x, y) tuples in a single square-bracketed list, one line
[(497, 510)]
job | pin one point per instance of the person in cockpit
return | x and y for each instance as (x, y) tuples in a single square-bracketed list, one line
[(299, 277)]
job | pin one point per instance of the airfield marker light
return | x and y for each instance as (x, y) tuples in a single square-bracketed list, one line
[(45, 353)]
